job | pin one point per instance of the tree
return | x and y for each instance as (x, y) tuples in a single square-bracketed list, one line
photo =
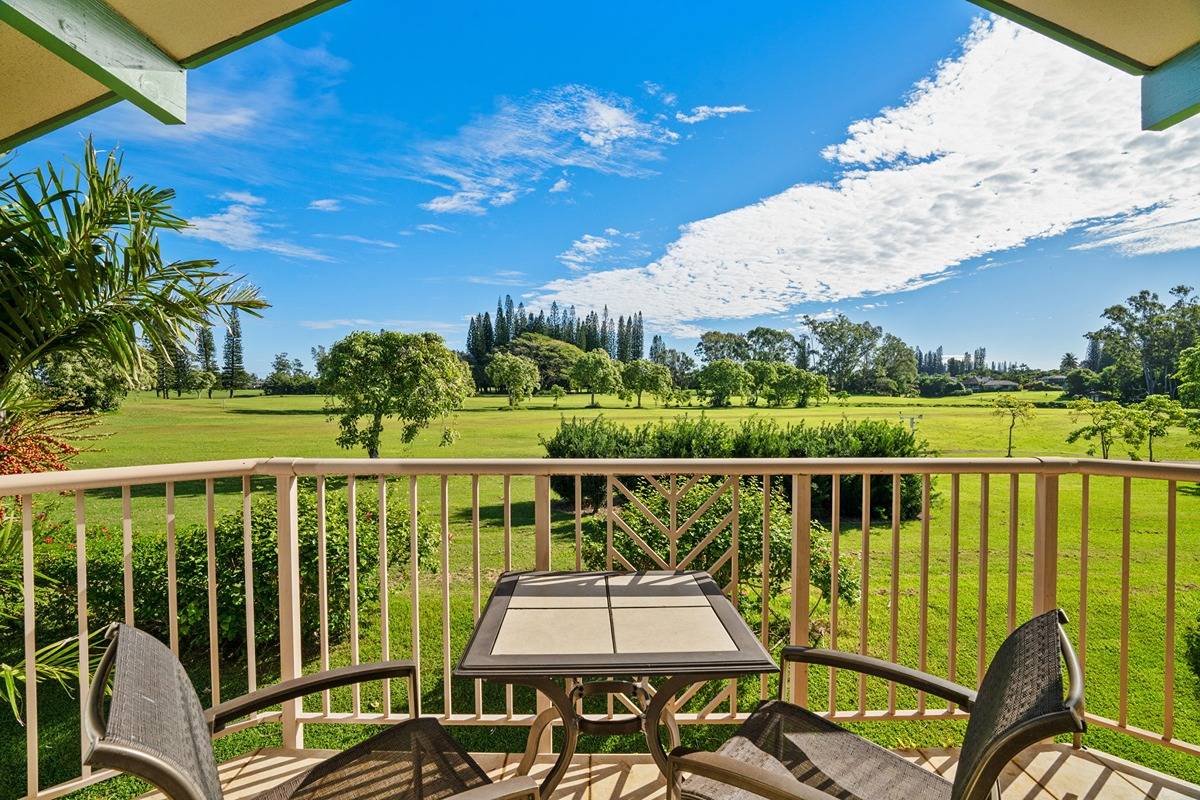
[(895, 361), (181, 368), (771, 344), (1148, 335), (1082, 382), (763, 376), (1068, 362), (201, 380), (845, 346), (558, 393), (81, 268), (233, 373), (719, 345), (83, 382), (1105, 422), (553, 358), (596, 372), (1015, 411), (808, 388), (680, 364), (413, 378), (1188, 377), (206, 353), (722, 380), (516, 375), (645, 376), (1160, 414)]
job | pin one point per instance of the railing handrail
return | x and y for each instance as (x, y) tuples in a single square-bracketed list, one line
[(103, 477)]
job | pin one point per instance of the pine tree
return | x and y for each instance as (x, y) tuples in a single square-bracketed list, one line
[(920, 359), (502, 327), (206, 353), (233, 372), (622, 339), (658, 349), (510, 318), (1095, 355), (181, 368), (637, 344), (487, 335)]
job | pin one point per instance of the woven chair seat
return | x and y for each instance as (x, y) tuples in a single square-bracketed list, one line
[(791, 740), (415, 760)]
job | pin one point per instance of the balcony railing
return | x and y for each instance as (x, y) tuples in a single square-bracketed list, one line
[(984, 552)]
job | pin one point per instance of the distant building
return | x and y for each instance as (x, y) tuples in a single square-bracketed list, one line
[(993, 385), (1056, 380)]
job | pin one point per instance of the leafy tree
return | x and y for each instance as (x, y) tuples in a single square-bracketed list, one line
[(553, 358), (596, 372), (233, 373), (81, 270), (1015, 411), (681, 365), (1160, 414), (1106, 422), (200, 380), (808, 388), (843, 397), (771, 344), (413, 378), (558, 393), (1146, 336), (1188, 377), (288, 376), (764, 376), (894, 361), (719, 345), (517, 375), (181, 369), (83, 382), (1081, 382), (645, 376), (845, 346), (722, 380), (1068, 362)]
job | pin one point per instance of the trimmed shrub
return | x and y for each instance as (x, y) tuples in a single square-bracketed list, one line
[(56, 562), (757, 437)]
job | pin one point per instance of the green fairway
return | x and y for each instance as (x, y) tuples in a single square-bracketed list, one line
[(148, 430)]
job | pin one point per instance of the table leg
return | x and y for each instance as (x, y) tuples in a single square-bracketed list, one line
[(660, 706), (560, 706)]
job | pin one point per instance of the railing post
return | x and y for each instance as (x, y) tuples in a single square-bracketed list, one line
[(1045, 545), (289, 603), (541, 560), (541, 522)]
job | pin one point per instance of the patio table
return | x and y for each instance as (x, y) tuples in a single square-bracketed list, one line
[(619, 629)]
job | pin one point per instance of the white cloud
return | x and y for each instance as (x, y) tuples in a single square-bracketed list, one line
[(503, 277), (244, 198), (430, 227), (495, 159), (350, 237), (585, 251), (325, 204), (1015, 139), (701, 113), (560, 185), (240, 226)]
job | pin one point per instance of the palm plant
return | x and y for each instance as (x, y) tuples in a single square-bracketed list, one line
[(81, 270)]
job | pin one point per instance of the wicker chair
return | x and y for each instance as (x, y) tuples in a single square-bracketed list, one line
[(155, 729), (784, 752)]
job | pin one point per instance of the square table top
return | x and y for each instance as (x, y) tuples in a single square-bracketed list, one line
[(607, 624)]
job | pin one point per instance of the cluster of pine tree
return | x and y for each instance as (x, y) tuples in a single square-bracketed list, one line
[(187, 370), (934, 362), (623, 337)]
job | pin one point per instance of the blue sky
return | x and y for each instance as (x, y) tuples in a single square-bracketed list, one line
[(955, 179)]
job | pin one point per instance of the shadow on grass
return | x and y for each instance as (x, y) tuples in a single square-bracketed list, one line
[(277, 412)]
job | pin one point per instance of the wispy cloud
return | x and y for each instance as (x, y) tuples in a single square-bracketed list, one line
[(585, 251), (350, 237), (656, 90), (1014, 139), (560, 185), (429, 227), (497, 158), (325, 204), (242, 225), (701, 113), (394, 324), (504, 277)]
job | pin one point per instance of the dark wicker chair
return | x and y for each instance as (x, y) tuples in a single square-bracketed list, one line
[(155, 729), (784, 752)]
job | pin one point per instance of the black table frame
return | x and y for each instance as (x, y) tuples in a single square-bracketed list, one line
[(543, 671)]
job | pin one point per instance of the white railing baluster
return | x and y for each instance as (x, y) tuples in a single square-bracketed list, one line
[(834, 567), (1169, 640), (322, 589), (127, 552), (981, 654), (30, 642), (214, 655), (952, 637), (1014, 510), (414, 573), (352, 558), (81, 614), (765, 594), (476, 589), (248, 568), (578, 522), (1084, 530), (385, 645), (801, 578), (447, 693), (865, 584), (894, 622), (172, 577), (1123, 663), (923, 602)]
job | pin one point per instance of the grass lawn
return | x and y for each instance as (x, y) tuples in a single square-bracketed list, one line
[(148, 430)]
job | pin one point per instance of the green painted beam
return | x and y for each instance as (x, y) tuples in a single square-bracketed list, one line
[(101, 43), (1064, 35), (260, 32), (1171, 93)]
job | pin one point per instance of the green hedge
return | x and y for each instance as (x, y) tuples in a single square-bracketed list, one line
[(56, 564), (757, 437)]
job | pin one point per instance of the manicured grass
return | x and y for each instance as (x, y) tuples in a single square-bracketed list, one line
[(148, 430)]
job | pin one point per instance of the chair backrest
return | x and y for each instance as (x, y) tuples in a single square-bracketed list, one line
[(155, 726), (1020, 703)]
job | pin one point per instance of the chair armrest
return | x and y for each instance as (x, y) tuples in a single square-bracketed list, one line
[(509, 789), (739, 774), (877, 667), (219, 715)]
